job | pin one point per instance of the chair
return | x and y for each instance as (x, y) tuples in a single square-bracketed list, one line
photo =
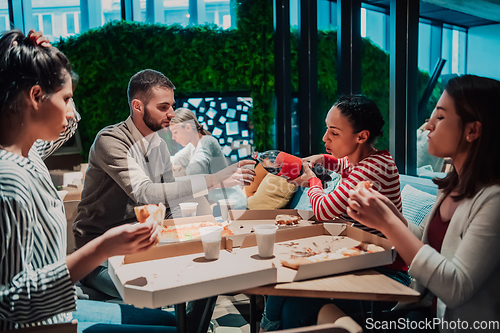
[(55, 328)]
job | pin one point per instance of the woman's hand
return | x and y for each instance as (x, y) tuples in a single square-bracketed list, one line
[(314, 159), (39, 38), (303, 179), (234, 175), (121, 240), (130, 238), (372, 209)]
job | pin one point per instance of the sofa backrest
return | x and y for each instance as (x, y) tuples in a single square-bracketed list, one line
[(422, 184)]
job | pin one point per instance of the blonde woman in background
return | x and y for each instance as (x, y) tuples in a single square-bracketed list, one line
[(201, 154)]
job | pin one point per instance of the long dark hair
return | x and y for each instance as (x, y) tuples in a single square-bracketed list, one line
[(362, 113), (24, 64), (476, 99)]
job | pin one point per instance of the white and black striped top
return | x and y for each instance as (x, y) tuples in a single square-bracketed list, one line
[(35, 286)]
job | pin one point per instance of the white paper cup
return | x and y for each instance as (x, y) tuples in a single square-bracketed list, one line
[(225, 205), (211, 238), (266, 235), (188, 209)]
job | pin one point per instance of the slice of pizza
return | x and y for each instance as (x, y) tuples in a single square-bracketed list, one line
[(366, 184), (362, 248), (188, 231), (155, 213), (284, 219), (150, 212)]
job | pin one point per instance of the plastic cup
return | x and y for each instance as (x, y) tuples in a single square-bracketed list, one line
[(266, 235), (225, 206), (211, 237), (188, 209)]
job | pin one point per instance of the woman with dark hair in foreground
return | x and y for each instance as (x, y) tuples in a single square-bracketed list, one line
[(36, 278)]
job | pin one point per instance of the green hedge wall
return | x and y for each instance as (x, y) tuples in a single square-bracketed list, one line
[(207, 59)]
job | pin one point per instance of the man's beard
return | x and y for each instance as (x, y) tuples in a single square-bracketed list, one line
[(150, 122)]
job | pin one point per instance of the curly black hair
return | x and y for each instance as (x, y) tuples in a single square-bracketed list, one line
[(363, 114)]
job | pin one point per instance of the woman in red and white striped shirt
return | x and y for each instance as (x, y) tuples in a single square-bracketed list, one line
[(353, 124)]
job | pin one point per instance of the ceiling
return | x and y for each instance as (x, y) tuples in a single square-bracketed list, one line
[(465, 13)]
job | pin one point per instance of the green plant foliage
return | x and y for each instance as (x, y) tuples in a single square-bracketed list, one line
[(208, 59)]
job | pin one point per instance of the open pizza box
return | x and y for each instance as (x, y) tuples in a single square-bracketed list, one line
[(184, 221), (243, 221), (179, 272), (318, 237)]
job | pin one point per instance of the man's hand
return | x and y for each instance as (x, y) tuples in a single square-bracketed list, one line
[(233, 175), (303, 179)]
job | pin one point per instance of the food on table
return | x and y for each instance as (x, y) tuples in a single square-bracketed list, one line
[(366, 184), (307, 255), (147, 213), (284, 219), (150, 212), (188, 231)]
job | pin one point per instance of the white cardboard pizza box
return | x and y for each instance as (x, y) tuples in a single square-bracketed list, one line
[(186, 220), (318, 233), (243, 221), (179, 273)]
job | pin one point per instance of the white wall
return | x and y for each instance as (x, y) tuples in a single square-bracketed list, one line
[(484, 51)]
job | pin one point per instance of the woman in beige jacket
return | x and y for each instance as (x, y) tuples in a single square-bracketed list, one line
[(453, 256)]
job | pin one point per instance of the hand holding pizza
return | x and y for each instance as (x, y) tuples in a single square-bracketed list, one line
[(129, 238), (372, 209)]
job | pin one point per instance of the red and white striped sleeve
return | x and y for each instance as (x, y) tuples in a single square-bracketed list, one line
[(334, 164), (378, 168)]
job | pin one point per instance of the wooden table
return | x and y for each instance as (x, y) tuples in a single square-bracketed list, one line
[(367, 285)]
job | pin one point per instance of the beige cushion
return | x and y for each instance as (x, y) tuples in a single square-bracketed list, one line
[(274, 192)]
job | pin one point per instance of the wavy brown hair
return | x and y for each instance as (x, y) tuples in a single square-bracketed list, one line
[(476, 99)]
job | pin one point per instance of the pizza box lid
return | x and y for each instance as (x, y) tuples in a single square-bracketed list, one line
[(179, 273), (318, 234), (270, 214), (185, 220), (243, 221)]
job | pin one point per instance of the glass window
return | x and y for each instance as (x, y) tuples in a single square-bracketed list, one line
[(56, 18), (218, 12), (142, 17), (424, 47), (36, 22), (176, 11), (447, 50), (4, 15), (374, 27), (70, 23), (327, 15), (47, 24), (111, 10)]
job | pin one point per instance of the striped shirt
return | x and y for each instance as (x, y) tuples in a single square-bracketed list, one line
[(35, 285), (378, 168)]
